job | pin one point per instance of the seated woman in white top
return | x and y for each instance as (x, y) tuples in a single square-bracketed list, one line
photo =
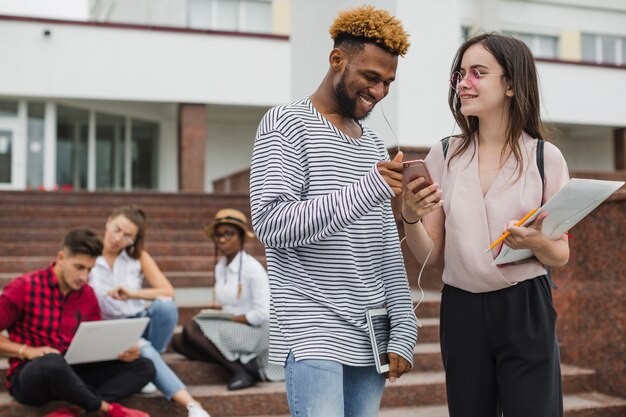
[(117, 281), (240, 344)]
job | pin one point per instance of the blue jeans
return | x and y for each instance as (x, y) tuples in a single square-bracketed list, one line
[(324, 388), (165, 379), (163, 318)]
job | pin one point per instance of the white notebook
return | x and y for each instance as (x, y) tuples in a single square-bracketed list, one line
[(565, 209)]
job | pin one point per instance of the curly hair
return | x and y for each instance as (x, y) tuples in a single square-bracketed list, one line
[(366, 24)]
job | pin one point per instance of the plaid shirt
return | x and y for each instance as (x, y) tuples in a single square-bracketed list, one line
[(36, 313)]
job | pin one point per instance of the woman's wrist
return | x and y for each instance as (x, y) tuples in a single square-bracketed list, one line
[(404, 219)]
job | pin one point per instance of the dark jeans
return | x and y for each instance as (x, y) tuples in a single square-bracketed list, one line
[(50, 378), (500, 351)]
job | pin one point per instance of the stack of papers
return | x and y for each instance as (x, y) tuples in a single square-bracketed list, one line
[(565, 209)]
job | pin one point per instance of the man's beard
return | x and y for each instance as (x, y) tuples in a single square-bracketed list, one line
[(347, 104)]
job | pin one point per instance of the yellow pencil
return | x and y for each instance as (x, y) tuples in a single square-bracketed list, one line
[(507, 234)]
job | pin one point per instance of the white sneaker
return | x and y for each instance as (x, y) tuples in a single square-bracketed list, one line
[(149, 388), (196, 410)]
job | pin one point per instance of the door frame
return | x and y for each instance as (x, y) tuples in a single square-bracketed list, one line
[(18, 155)]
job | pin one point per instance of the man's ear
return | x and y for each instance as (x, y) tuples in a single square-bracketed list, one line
[(337, 59), (60, 256)]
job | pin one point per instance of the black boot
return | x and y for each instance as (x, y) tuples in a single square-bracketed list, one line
[(241, 378)]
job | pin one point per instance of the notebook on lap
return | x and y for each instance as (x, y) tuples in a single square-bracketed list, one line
[(104, 340)]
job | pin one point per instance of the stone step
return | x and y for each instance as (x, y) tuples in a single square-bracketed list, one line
[(414, 391), (586, 404), (51, 211), (178, 279), (158, 248), (426, 360), (191, 300), (55, 234), (97, 222), (110, 199), (166, 263)]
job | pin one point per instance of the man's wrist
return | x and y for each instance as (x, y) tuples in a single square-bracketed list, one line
[(20, 353)]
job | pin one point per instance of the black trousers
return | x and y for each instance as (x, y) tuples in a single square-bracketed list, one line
[(50, 378), (500, 352)]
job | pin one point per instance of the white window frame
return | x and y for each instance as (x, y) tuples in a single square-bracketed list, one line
[(619, 58), (241, 15), (535, 42)]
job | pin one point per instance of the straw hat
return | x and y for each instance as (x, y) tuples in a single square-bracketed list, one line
[(229, 216)]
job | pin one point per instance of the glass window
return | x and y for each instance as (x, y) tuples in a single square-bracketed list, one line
[(72, 140), (526, 38), (258, 17), (36, 150), (6, 155), (623, 61), (588, 44), (144, 148), (228, 15), (200, 13), (548, 47), (231, 15), (608, 49), (465, 33), (110, 136), (542, 46), (8, 108)]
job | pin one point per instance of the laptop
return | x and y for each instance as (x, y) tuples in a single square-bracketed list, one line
[(104, 340)]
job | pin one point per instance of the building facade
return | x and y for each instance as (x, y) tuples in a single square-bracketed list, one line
[(166, 95)]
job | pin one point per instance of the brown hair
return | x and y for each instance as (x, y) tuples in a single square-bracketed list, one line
[(518, 65), (82, 241), (139, 219), (353, 28)]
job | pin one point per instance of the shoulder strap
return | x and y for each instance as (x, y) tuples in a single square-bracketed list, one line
[(445, 142), (540, 143)]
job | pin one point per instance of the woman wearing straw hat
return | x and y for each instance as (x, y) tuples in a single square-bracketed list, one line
[(240, 344)]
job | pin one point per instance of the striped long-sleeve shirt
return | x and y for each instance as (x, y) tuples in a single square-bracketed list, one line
[(323, 212)]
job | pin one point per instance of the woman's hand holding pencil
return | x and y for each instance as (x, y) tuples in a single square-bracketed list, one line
[(507, 234)]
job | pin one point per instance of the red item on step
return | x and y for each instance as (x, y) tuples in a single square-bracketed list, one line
[(117, 410), (65, 412)]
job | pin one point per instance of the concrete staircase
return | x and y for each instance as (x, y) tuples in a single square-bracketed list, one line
[(32, 224)]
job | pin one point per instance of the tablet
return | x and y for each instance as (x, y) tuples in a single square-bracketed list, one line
[(104, 340), (379, 329)]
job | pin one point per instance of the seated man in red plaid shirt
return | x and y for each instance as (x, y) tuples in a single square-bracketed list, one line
[(42, 311)]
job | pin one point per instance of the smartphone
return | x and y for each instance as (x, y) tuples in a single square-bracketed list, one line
[(416, 169), (379, 329)]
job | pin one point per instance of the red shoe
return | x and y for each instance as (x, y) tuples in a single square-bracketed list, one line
[(65, 412), (116, 410)]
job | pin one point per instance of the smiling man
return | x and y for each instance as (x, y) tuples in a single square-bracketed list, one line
[(320, 187)]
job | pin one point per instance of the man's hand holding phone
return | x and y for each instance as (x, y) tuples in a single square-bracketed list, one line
[(391, 171)]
